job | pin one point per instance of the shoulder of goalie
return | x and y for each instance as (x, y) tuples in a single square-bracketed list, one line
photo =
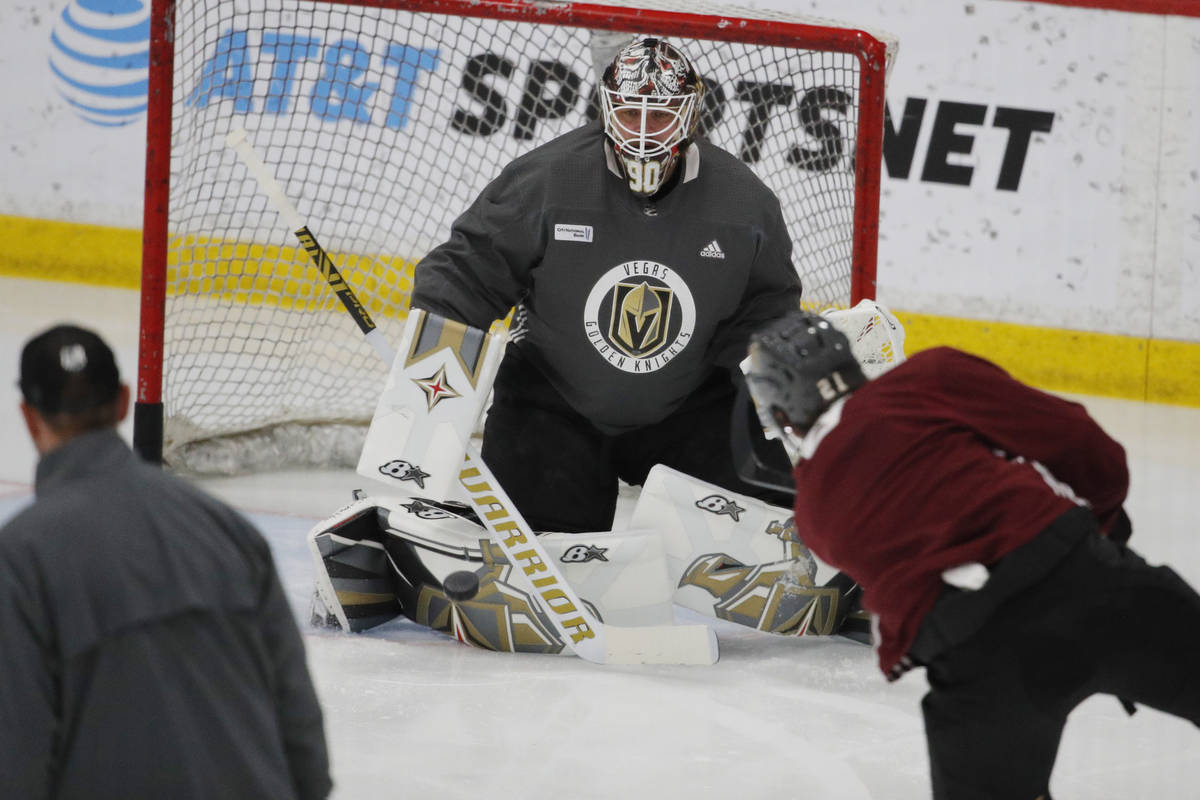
[(380, 558), (437, 389), (736, 558)]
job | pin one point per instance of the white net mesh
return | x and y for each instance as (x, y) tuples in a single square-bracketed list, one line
[(382, 126)]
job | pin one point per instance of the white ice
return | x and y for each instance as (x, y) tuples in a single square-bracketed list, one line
[(411, 713)]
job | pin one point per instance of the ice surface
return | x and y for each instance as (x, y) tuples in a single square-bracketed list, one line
[(411, 713)]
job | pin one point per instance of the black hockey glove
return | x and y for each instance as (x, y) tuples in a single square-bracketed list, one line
[(851, 620), (1121, 528)]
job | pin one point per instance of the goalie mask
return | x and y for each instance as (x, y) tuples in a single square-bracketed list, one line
[(650, 100), (797, 367)]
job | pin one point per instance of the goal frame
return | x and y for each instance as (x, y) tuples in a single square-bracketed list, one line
[(870, 51)]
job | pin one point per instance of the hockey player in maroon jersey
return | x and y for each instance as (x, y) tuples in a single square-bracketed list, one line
[(639, 259), (984, 521)]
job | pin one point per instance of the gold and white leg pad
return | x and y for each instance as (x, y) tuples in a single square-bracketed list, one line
[(382, 557), (623, 574), (735, 558)]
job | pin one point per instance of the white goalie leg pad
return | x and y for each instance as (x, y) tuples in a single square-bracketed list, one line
[(380, 557), (622, 574), (734, 557), (437, 389), (430, 541), (350, 566)]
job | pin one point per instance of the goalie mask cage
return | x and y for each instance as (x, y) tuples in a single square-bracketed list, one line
[(382, 120)]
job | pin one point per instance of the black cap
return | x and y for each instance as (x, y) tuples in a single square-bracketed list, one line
[(68, 370)]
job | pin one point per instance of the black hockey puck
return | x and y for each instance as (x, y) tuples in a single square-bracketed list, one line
[(461, 586)]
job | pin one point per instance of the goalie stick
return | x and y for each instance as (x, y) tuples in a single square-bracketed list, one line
[(239, 140), (579, 628)]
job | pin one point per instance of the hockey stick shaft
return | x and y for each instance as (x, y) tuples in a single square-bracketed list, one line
[(239, 141), (589, 638)]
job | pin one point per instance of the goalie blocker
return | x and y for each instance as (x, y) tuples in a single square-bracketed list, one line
[(437, 390)]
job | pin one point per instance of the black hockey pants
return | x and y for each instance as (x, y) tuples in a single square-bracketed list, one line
[(562, 473), (1102, 621)]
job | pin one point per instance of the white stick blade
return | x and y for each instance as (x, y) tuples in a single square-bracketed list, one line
[(239, 141), (662, 644)]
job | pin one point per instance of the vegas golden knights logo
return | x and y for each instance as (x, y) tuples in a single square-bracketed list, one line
[(641, 314)]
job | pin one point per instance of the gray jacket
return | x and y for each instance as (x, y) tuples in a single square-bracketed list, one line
[(148, 648)]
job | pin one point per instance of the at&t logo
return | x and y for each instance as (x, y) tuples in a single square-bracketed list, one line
[(99, 54)]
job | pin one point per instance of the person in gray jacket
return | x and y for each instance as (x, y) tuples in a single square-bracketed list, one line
[(149, 650)]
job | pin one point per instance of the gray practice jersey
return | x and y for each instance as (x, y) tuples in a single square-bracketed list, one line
[(628, 304)]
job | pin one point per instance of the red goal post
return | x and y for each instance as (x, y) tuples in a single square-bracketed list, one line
[(382, 119)]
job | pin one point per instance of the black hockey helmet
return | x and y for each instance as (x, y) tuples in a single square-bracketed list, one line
[(797, 367)]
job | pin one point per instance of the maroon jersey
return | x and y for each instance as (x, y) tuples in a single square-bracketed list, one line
[(945, 460)]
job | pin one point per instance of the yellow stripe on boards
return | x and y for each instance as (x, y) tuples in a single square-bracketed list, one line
[(42, 249), (1173, 368), (286, 277), (1132, 367), (227, 271)]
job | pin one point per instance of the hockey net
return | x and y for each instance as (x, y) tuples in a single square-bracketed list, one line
[(382, 120)]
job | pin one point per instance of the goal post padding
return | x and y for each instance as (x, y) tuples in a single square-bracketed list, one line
[(382, 120)]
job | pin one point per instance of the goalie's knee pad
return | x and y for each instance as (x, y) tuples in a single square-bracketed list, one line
[(736, 558), (377, 559), (623, 575)]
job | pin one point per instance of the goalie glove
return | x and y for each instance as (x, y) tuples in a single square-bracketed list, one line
[(876, 337)]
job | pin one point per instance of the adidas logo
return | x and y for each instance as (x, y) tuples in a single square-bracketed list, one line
[(712, 250)]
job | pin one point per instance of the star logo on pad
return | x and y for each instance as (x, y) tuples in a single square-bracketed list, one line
[(717, 504), (436, 387)]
